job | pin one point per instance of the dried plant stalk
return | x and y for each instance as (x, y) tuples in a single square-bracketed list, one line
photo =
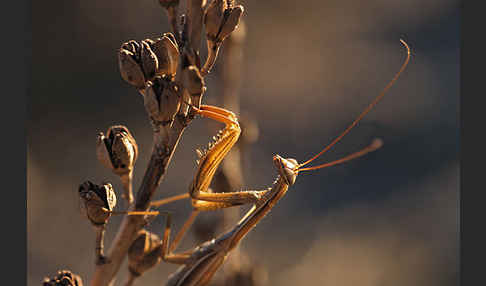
[(158, 164)]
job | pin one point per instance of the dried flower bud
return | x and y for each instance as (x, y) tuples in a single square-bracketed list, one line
[(149, 60), (128, 62), (167, 53), (144, 253), (168, 3), (117, 150), (213, 17), (194, 84), (221, 18), (97, 202), (63, 278), (141, 62), (161, 100), (231, 22)]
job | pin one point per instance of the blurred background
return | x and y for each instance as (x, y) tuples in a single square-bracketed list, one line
[(310, 67)]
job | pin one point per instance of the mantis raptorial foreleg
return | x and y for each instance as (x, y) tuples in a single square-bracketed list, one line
[(209, 162), (202, 198)]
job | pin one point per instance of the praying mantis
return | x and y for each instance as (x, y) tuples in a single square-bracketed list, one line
[(201, 263)]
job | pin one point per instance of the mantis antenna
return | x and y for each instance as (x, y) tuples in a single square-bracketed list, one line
[(371, 147), (377, 143)]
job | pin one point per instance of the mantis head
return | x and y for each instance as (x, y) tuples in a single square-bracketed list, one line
[(287, 168)]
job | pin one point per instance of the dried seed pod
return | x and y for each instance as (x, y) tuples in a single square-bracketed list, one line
[(130, 69), (213, 17), (167, 53), (141, 62), (231, 22), (144, 253), (172, 38), (221, 18), (137, 63), (149, 60), (63, 278), (133, 47), (118, 151), (97, 202), (161, 100)]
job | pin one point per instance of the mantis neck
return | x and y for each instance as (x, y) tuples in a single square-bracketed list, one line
[(257, 212)]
